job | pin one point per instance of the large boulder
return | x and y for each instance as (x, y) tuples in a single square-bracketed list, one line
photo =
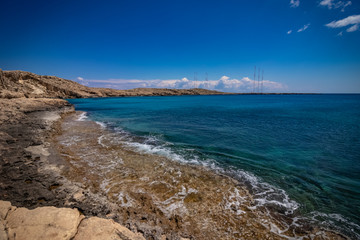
[(57, 224), (43, 223)]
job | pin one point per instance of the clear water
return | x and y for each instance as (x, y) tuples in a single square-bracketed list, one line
[(307, 145)]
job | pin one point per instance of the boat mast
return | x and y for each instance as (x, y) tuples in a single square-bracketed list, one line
[(254, 80)]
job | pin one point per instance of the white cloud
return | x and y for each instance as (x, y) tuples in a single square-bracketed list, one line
[(294, 3), (327, 3), (82, 81), (289, 32), (340, 34), (331, 4), (353, 20), (225, 84), (306, 26), (353, 28), (224, 78), (345, 5)]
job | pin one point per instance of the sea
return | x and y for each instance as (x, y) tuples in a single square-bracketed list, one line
[(300, 152)]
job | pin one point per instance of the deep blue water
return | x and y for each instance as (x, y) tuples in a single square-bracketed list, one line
[(307, 145)]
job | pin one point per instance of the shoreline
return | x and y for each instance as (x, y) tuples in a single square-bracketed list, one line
[(30, 171), (36, 171), (184, 189), (46, 178), (41, 180)]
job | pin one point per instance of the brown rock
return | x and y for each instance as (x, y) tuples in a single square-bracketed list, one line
[(17, 84), (97, 228), (3, 234), (43, 223), (5, 207)]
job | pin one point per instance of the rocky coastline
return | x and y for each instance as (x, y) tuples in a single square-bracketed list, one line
[(31, 111), (32, 179)]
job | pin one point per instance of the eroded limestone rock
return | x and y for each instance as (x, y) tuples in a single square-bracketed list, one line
[(57, 223), (43, 223), (97, 228)]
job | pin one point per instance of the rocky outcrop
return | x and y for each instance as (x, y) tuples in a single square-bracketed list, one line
[(57, 224), (17, 84), (95, 228)]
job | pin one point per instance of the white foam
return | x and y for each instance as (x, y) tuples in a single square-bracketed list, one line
[(102, 125), (125, 200), (336, 221), (175, 204), (234, 202), (100, 139), (82, 116), (104, 185), (264, 195)]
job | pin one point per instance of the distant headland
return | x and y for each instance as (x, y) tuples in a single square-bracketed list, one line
[(17, 84)]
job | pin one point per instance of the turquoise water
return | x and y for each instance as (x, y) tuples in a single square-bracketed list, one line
[(299, 150)]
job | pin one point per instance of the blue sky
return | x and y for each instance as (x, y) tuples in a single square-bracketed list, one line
[(303, 46)]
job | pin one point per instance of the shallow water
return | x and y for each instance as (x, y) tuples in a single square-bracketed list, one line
[(296, 155)]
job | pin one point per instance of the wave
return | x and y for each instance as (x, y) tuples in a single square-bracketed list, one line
[(264, 194)]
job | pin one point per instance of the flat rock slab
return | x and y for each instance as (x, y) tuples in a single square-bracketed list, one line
[(98, 228), (43, 223)]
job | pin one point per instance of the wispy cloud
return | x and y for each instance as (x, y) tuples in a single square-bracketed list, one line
[(294, 3), (82, 81), (353, 20), (331, 4), (289, 32), (306, 26), (225, 84), (353, 28)]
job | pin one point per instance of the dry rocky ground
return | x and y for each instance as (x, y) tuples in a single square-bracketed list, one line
[(30, 181)]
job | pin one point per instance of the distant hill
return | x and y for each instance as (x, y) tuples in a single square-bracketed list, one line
[(16, 84)]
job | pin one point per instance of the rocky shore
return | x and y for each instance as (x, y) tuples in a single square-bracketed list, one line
[(31, 110), (45, 195)]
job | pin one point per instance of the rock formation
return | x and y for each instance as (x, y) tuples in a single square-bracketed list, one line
[(45, 223), (16, 84)]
